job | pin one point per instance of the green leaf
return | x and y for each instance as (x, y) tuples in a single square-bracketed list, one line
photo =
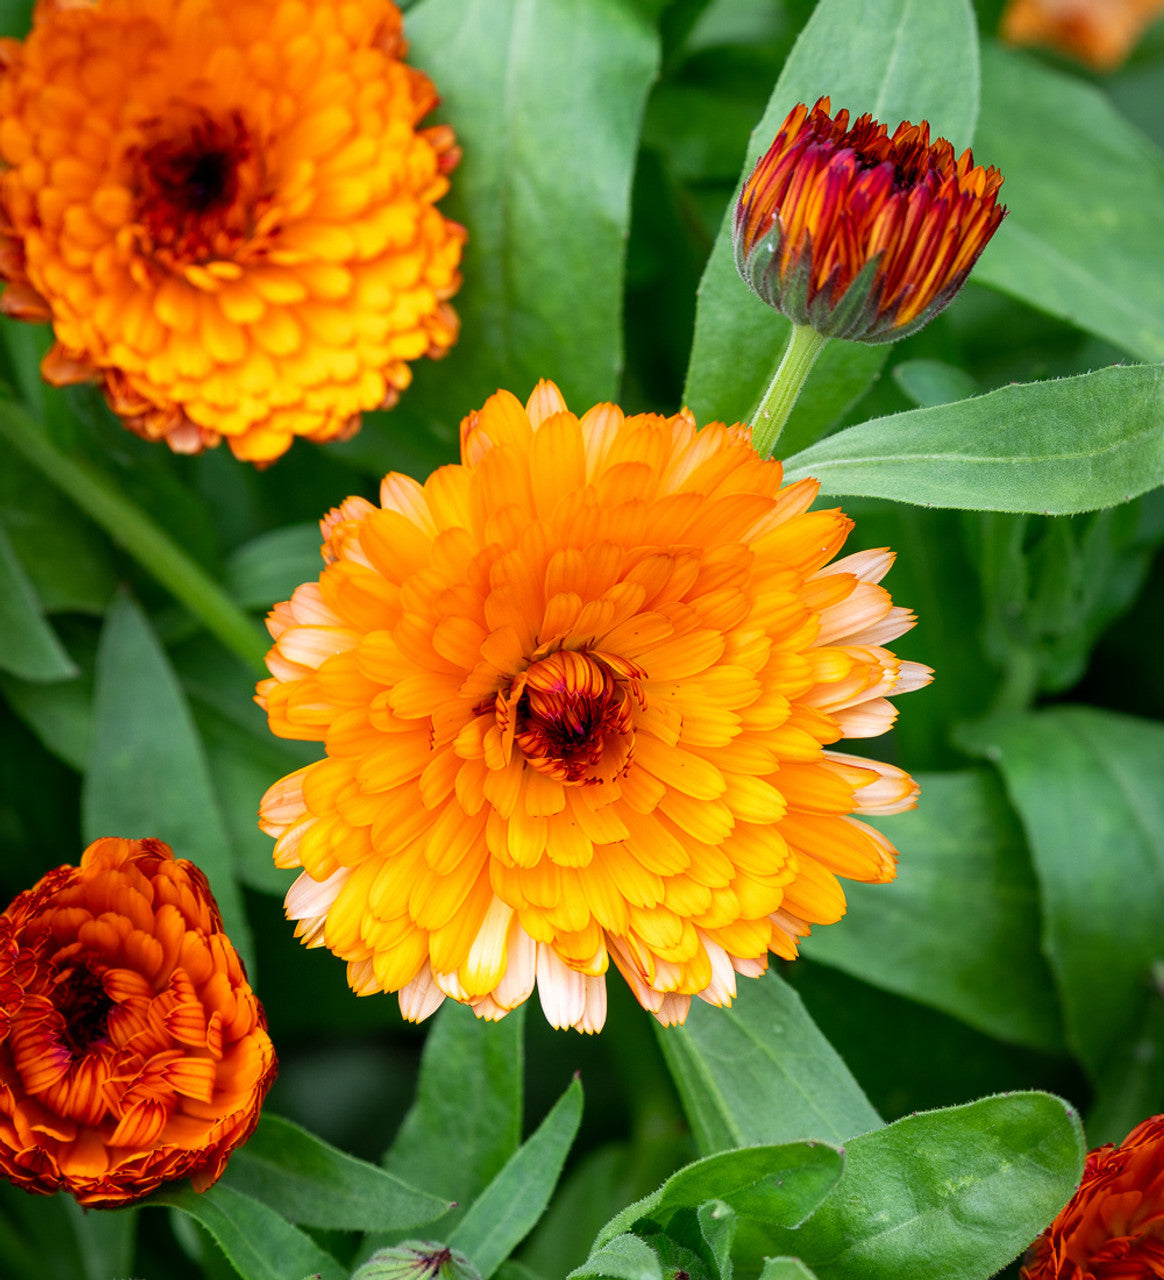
[(461, 1047), (309, 1181), (64, 555), (959, 928), (1085, 191), (761, 1072), (945, 1195), (899, 59), (29, 647), (60, 714), (267, 569), (1086, 784), (105, 1241), (547, 101), (626, 1257), (506, 1211), (778, 1184), (1057, 447), (717, 1225), (148, 774), (785, 1269), (931, 382), (259, 1243)]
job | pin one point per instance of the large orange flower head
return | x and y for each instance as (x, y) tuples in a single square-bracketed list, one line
[(575, 694), (132, 1049), (857, 234), (1101, 33), (227, 211), (1112, 1228)]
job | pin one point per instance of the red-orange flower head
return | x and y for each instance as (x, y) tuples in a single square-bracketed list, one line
[(575, 694), (859, 235), (1112, 1228), (227, 211), (132, 1049)]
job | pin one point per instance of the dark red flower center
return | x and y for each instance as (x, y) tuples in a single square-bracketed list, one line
[(575, 715), (85, 1008), (189, 181)]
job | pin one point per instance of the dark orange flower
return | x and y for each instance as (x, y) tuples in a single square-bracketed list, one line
[(578, 696), (227, 210), (1112, 1228), (859, 235), (1099, 32), (132, 1049)]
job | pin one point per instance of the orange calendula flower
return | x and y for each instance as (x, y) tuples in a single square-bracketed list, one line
[(1101, 33), (859, 235), (227, 212), (1112, 1228), (575, 694), (132, 1049)]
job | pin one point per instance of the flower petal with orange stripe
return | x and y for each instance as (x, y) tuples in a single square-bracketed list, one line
[(132, 1049), (577, 696)]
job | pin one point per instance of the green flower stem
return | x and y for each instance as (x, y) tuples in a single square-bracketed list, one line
[(804, 345), (136, 532)]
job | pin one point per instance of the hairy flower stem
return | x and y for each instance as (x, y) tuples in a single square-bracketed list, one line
[(136, 532), (804, 345)]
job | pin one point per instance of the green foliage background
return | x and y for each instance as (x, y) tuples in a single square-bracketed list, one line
[(1011, 452)]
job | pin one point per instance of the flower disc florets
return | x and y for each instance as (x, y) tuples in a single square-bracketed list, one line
[(575, 694), (859, 235), (132, 1049), (227, 212), (1112, 1228)]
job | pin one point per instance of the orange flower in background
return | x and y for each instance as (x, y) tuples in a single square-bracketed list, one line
[(575, 694), (1112, 1228), (227, 212), (132, 1050), (859, 235), (1101, 33)]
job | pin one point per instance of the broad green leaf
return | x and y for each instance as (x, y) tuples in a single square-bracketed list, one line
[(899, 59), (777, 1184), (1086, 784), (147, 774), (761, 1072), (505, 1212), (29, 647), (267, 569), (931, 382), (625, 1257), (1057, 447), (546, 100), (60, 714), (785, 1269), (309, 1181), (945, 1195), (484, 1135), (1085, 190), (959, 928), (65, 556), (259, 1243), (105, 1241), (1133, 1079)]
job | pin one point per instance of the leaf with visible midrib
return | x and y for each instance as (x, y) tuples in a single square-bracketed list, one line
[(1053, 448)]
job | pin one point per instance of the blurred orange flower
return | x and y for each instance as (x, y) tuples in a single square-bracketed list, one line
[(132, 1050), (1099, 32), (575, 694), (226, 210), (859, 235), (1112, 1228)]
